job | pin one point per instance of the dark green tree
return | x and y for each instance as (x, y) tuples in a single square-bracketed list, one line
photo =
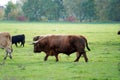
[(9, 8), (84, 10), (114, 10), (61, 10), (35, 9), (102, 10), (87, 10)]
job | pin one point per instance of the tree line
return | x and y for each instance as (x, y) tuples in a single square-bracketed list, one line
[(62, 10)]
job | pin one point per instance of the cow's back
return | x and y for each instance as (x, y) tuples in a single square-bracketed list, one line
[(65, 43), (57, 40)]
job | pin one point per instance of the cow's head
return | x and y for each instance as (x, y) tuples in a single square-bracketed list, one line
[(37, 47)]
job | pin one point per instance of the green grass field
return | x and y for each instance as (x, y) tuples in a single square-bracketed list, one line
[(104, 57)]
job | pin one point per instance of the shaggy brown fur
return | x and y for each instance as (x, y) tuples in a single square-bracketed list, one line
[(67, 44)]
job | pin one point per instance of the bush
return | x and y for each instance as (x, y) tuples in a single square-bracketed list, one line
[(21, 18), (71, 19)]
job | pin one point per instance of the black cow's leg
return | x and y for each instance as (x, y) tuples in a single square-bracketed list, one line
[(22, 44), (16, 45), (45, 59), (78, 56), (85, 57), (56, 57)]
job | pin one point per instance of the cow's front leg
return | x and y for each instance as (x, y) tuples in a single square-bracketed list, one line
[(6, 56), (46, 57), (56, 55), (10, 55), (3, 62)]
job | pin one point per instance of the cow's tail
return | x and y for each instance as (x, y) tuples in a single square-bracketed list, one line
[(86, 43)]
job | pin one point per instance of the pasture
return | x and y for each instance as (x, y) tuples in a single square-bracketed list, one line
[(104, 57)]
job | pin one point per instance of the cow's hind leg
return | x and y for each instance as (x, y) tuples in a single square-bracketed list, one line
[(78, 56), (56, 57), (85, 57)]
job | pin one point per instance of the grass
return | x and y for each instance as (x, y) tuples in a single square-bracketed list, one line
[(104, 57)]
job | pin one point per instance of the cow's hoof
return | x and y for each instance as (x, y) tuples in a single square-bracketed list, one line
[(10, 57), (75, 61), (45, 60), (57, 61), (86, 61)]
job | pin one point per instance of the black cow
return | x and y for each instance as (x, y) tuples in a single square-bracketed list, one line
[(52, 45), (18, 39)]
